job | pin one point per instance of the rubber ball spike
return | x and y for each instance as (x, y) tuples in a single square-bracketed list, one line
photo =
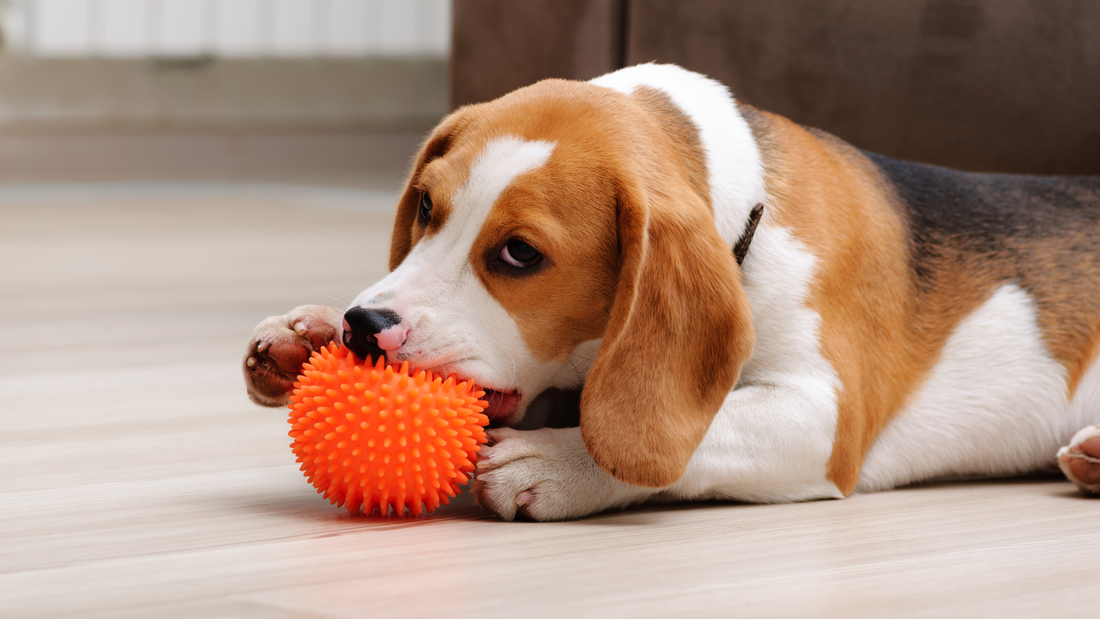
[(356, 430)]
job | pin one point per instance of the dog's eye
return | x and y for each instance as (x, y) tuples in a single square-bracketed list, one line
[(519, 254), (425, 213)]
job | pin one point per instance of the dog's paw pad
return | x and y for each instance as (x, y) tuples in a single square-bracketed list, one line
[(280, 345), (1080, 460)]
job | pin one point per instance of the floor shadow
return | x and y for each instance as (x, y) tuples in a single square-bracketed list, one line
[(304, 505), (301, 504), (649, 514)]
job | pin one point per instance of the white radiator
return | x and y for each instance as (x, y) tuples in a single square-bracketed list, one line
[(226, 28)]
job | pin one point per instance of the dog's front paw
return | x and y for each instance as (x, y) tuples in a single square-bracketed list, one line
[(1080, 460), (280, 345), (545, 475)]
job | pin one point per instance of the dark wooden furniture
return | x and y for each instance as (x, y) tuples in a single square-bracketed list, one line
[(989, 85)]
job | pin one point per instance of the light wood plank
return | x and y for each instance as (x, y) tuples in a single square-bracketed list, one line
[(138, 480)]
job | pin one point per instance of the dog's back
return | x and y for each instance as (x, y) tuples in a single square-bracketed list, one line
[(1017, 258)]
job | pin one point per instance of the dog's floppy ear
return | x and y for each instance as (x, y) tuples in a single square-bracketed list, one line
[(437, 144), (679, 329)]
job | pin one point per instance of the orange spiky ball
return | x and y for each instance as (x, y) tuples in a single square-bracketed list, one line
[(375, 437)]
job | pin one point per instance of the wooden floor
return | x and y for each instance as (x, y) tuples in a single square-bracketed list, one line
[(139, 481)]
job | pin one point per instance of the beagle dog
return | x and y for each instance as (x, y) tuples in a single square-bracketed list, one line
[(890, 322)]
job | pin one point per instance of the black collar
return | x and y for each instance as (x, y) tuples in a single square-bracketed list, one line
[(742, 246)]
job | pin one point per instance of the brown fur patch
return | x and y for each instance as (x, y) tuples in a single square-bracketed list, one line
[(682, 133)]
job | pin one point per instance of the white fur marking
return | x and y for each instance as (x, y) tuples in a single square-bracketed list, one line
[(499, 164), (994, 403)]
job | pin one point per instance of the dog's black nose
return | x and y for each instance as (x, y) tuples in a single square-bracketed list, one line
[(361, 325)]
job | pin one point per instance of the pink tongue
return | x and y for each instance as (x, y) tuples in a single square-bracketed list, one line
[(500, 404), (391, 338)]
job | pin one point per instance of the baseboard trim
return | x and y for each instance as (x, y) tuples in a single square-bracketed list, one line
[(104, 94)]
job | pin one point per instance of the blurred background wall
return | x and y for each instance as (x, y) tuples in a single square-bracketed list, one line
[(984, 85), (223, 63), (316, 92), (329, 88)]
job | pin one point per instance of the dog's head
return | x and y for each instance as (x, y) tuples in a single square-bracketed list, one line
[(560, 236)]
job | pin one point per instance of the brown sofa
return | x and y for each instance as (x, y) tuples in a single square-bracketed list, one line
[(989, 85)]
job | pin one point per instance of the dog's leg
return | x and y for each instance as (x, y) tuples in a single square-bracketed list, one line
[(280, 345), (767, 444), (546, 474), (1080, 460)]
